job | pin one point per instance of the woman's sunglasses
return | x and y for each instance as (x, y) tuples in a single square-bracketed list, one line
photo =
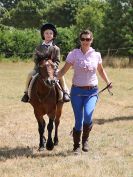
[(85, 39)]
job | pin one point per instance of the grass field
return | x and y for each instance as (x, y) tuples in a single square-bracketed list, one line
[(111, 140)]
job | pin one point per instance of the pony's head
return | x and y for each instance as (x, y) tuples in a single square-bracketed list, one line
[(46, 71)]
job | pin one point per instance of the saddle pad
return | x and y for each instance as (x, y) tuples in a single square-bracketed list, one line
[(31, 84)]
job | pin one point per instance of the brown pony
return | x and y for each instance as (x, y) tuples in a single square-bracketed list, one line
[(44, 99)]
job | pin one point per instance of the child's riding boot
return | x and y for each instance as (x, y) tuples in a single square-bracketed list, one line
[(25, 97)]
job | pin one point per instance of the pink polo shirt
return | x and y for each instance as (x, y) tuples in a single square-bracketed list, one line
[(85, 66)]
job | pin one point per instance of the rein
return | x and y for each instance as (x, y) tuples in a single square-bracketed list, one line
[(57, 83)]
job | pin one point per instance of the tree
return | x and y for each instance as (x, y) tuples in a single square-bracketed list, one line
[(118, 26), (91, 17), (9, 4), (127, 31), (60, 12), (27, 14), (63, 13)]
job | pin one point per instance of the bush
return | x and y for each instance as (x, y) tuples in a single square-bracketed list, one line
[(20, 43), (66, 40)]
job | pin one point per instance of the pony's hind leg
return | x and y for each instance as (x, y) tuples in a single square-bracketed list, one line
[(41, 127), (50, 144)]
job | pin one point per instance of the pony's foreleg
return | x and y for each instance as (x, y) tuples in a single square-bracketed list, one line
[(50, 144), (57, 122), (41, 127)]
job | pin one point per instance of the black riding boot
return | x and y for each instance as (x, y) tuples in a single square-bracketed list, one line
[(86, 131), (25, 98), (76, 140)]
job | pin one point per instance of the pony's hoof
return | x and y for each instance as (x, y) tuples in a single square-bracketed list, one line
[(41, 148), (50, 146), (56, 142)]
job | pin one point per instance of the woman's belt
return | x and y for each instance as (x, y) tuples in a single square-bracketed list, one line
[(86, 87)]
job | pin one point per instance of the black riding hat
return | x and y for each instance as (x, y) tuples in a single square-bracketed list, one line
[(48, 26)]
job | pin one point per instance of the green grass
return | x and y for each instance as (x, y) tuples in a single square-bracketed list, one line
[(111, 145)]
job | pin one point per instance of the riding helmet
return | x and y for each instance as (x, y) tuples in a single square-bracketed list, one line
[(48, 26)]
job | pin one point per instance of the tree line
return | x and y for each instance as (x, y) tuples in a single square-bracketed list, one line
[(109, 20)]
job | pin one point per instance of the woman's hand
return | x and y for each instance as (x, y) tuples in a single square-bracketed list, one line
[(109, 86)]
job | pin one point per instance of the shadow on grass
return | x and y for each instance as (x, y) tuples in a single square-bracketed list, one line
[(46, 153), (12, 153), (103, 121)]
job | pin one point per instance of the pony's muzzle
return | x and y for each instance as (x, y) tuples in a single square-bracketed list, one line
[(50, 82)]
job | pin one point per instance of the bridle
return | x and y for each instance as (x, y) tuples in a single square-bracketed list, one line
[(47, 81), (50, 80)]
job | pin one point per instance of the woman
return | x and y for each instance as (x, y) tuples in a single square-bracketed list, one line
[(44, 51), (85, 62)]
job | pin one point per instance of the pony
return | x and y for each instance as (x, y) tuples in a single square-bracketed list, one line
[(44, 100)]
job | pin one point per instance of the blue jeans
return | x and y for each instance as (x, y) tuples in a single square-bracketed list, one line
[(83, 104)]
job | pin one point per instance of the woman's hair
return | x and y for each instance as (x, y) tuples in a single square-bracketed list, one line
[(86, 32)]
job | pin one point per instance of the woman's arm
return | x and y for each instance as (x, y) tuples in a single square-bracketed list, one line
[(103, 74), (63, 70)]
